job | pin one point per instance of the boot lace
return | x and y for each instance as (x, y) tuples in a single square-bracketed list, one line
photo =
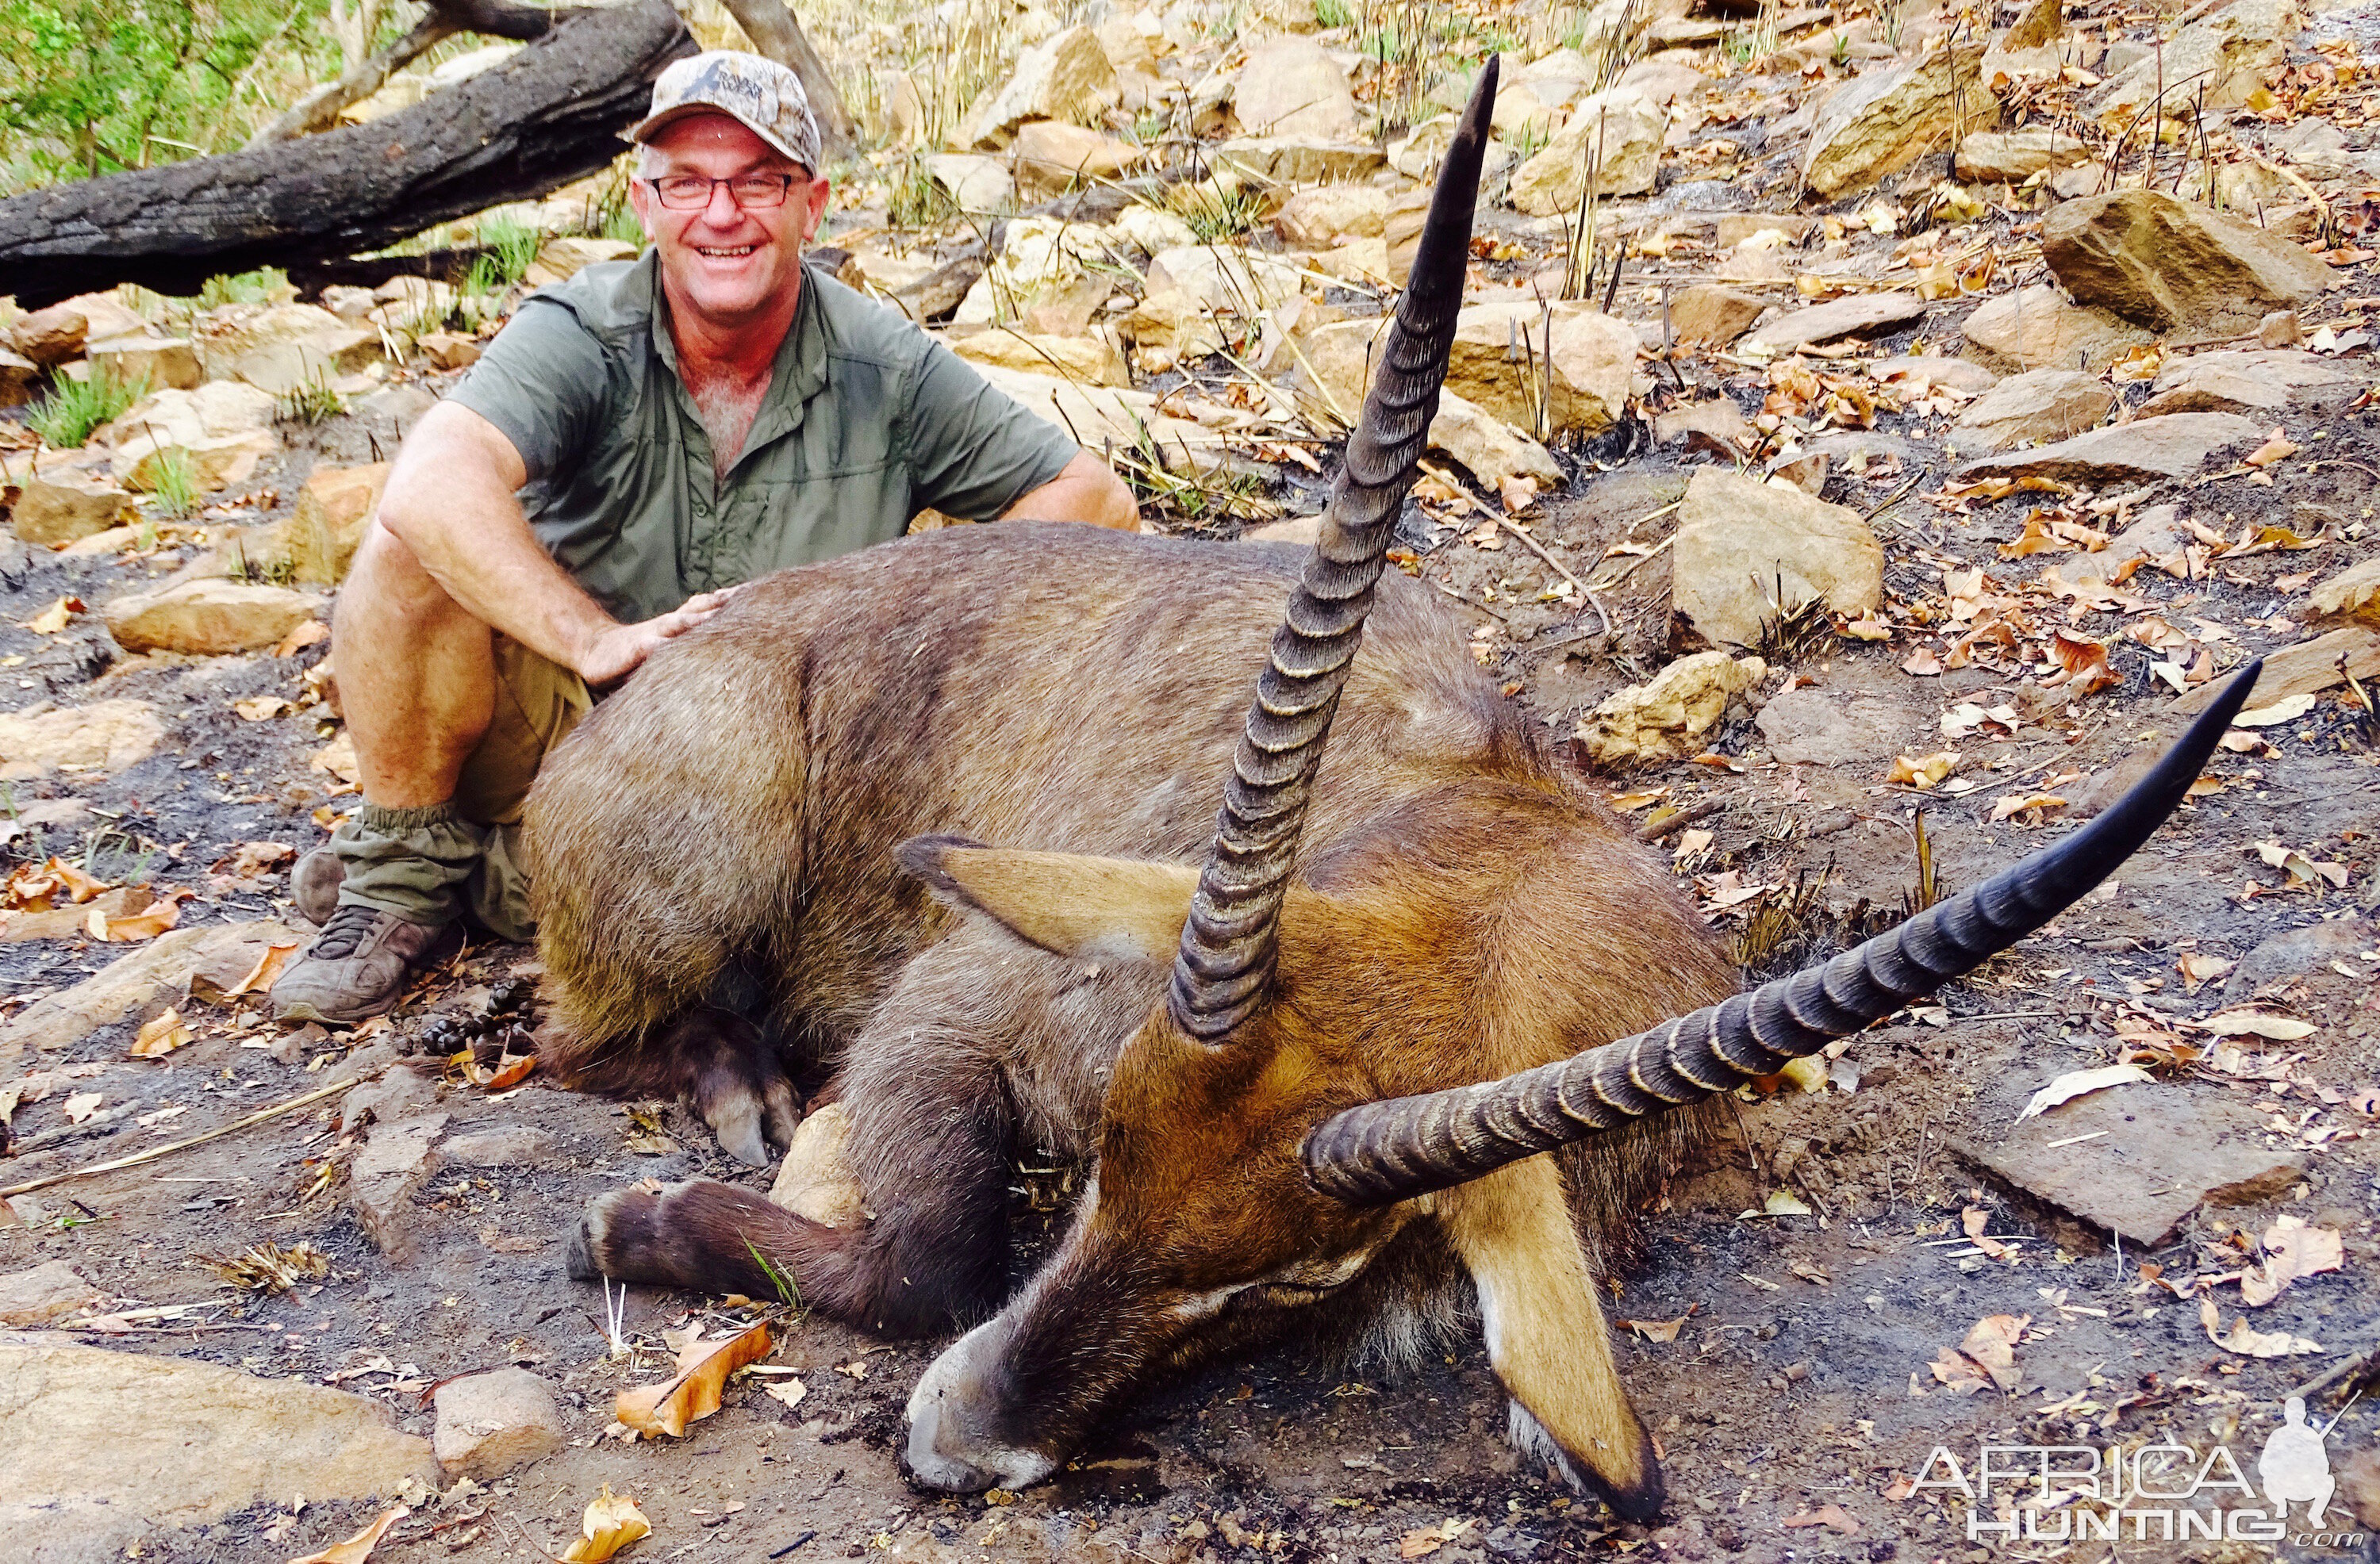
[(350, 926)]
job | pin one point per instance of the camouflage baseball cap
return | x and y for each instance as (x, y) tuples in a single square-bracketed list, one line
[(762, 95)]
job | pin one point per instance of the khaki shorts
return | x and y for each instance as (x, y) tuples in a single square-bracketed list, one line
[(538, 702)]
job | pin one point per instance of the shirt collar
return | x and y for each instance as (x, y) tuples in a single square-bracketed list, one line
[(800, 369)]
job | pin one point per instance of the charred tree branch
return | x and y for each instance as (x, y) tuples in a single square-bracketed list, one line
[(321, 108)]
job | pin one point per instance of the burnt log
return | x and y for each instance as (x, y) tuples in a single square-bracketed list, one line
[(551, 114)]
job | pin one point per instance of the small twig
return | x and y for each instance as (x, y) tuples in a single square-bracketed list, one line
[(1466, 602), (1539, 550), (1685, 817), (1631, 568), (2346, 1371), (259, 1117)]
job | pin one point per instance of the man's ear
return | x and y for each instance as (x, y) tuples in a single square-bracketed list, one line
[(1098, 910)]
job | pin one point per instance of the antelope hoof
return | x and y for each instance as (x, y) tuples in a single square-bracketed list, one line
[(733, 1079), (611, 1231)]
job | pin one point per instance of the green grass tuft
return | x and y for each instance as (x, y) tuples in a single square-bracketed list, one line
[(65, 417)]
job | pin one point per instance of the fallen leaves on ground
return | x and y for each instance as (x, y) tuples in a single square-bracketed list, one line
[(38, 889), (1972, 1222), (2253, 1024), (2301, 869), (1986, 1358), (694, 1392), (611, 1523), (2076, 1082), (788, 1392), (2291, 1250), (1425, 1540), (1833, 1517), (1922, 771), (267, 1268), (357, 1548), (53, 619), (161, 1035), (259, 979), (1662, 1330), (158, 916), (2247, 1341)]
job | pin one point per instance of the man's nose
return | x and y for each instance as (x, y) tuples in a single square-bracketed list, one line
[(720, 210)]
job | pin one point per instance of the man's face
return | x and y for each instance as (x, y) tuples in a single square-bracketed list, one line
[(727, 263)]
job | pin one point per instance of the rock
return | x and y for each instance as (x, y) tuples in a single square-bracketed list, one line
[(2040, 405), (49, 337), (395, 1162), (1859, 314), (1711, 314), (2037, 328), (1658, 719), (1052, 157), (1742, 543), (494, 1423), (2171, 265), (53, 511), (2306, 668), (814, 1180), (2173, 446), (225, 406), (1620, 132), (1734, 227), (2352, 594), (1592, 359), (102, 1448), (2294, 952), (448, 350), (18, 375), (1065, 76), (1327, 214), (1491, 448), (505, 1146), (2157, 1153), (1301, 159), (1088, 357), (1962, 375), (207, 617), (1664, 79), (1289, 87), (104, 316), (2225, 59), (46, 1294), (2011, 157), (1721, 425), (108, 735), (1214, 277), (1401, 232), (1153, 230), (317, 359), (561, 258), (1417, 154), (212, 462), (132, 981), (1821, 727), (1886, 118), (154, 360), (2257, 381), (335, 510), (398, 1093), (1098, 415)]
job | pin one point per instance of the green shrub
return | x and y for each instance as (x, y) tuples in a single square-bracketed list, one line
[(511, 244), (65, 417), (173, 484), (1332, 12)]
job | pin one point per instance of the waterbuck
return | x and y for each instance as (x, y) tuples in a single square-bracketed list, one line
[(1313, 1046)]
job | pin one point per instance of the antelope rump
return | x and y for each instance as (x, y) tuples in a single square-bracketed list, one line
[(1312, 1049)]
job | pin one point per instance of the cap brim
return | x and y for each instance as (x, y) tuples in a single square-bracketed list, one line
[(645, 129)]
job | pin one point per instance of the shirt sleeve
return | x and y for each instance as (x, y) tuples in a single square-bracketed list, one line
[(974, 451), (542, 381)]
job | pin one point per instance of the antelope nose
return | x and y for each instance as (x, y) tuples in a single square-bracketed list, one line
[(928, 1465)]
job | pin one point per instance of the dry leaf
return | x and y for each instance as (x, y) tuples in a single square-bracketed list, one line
[(1517, 492), (789, 1391), (1782, 1203), (2288, 708), (146, 924), (611, 1523), (161, 1035), (694, 1392), (2082, 664), (1987, 1357), (1972, 1222), (2018, 802), (2291, 1250), (1664, 1330), (357, 1548), (1923, 663), (53, 619), (1834, 1517), (2075, 1083), (1429, 1539), (2271, 450), (312, 632), (2197, 970), (261, 708), (2250, 1342), (2253, 1024), (2300, 868), (1923, 770), (82, 1105)]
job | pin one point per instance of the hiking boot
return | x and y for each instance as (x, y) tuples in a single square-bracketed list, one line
[(358, 965), (314, 885)]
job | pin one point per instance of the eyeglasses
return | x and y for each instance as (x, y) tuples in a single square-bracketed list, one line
[(691, 192)]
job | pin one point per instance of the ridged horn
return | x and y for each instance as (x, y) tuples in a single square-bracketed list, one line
[(1395, 1150), (1226, 957)]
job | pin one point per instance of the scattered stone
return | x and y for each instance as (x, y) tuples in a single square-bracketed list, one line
[(2169, 264), (1862, 314), (448, 350), (207, 617), (1052, 157), (54, 510), (211, 461), (563, 258), (2138, 1159), (1664, 78), (505, 1146), (2040, 405), (1585, 364), (49, 337), (2173, 446), (1658, 719), (814, 1180), (102, 1447), (2259, 382), (2352, 594), (1744, 549), (1888, 118), (334, 510), (132, 981), (2306, 668), (1719, 424), (1619, 132), (155, 360), (1734, 227), (398, 1093), (48, 1292), (1491, 448), (395, 1162), (1088, 357), (1289, 87), (1065, 76), (1237, 281), (1100, 414), (1823, 727), (1963, 376), (2359, 1484), (2037, 328), (18, 375), (2294, 952), (2011, 157), (318, 360), (108, 735), (1713, 315), (104, 315), (1303, 159), (1327, 214), (2225, 58), (494, 1423)]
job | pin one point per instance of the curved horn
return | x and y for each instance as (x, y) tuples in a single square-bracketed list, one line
[(1394, 1150), (1227, 946)]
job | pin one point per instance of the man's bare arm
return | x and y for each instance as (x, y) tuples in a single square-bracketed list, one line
[(451, 500), (1084, 490)]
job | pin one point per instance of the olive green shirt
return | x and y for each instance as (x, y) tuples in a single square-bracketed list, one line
[(867, 422)]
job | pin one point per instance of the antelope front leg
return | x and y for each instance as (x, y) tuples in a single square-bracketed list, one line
[(1547, 1337)]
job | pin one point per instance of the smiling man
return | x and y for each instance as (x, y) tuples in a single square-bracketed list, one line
[(637, 443)]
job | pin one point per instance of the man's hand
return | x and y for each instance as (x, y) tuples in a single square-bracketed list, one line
[(618, 651)]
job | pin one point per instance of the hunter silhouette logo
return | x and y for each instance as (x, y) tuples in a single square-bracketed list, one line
[(2296, 1464)]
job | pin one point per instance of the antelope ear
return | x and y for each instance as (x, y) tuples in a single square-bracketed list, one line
[(1546, 1334), (1099, 910)]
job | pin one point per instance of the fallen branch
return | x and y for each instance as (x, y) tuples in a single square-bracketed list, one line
[(154, 1152), (1679, 818)]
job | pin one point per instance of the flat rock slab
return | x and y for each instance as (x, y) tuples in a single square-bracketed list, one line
[(2303, 668), (2147, 449), (1861, 315), (49, 1292), (134, 980), (102, 1447), (1829, 727), (2157, 1153)]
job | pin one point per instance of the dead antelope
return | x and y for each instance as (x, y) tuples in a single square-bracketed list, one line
[(1313, 1048)]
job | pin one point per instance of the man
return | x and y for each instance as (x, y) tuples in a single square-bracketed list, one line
[(637, 443)]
